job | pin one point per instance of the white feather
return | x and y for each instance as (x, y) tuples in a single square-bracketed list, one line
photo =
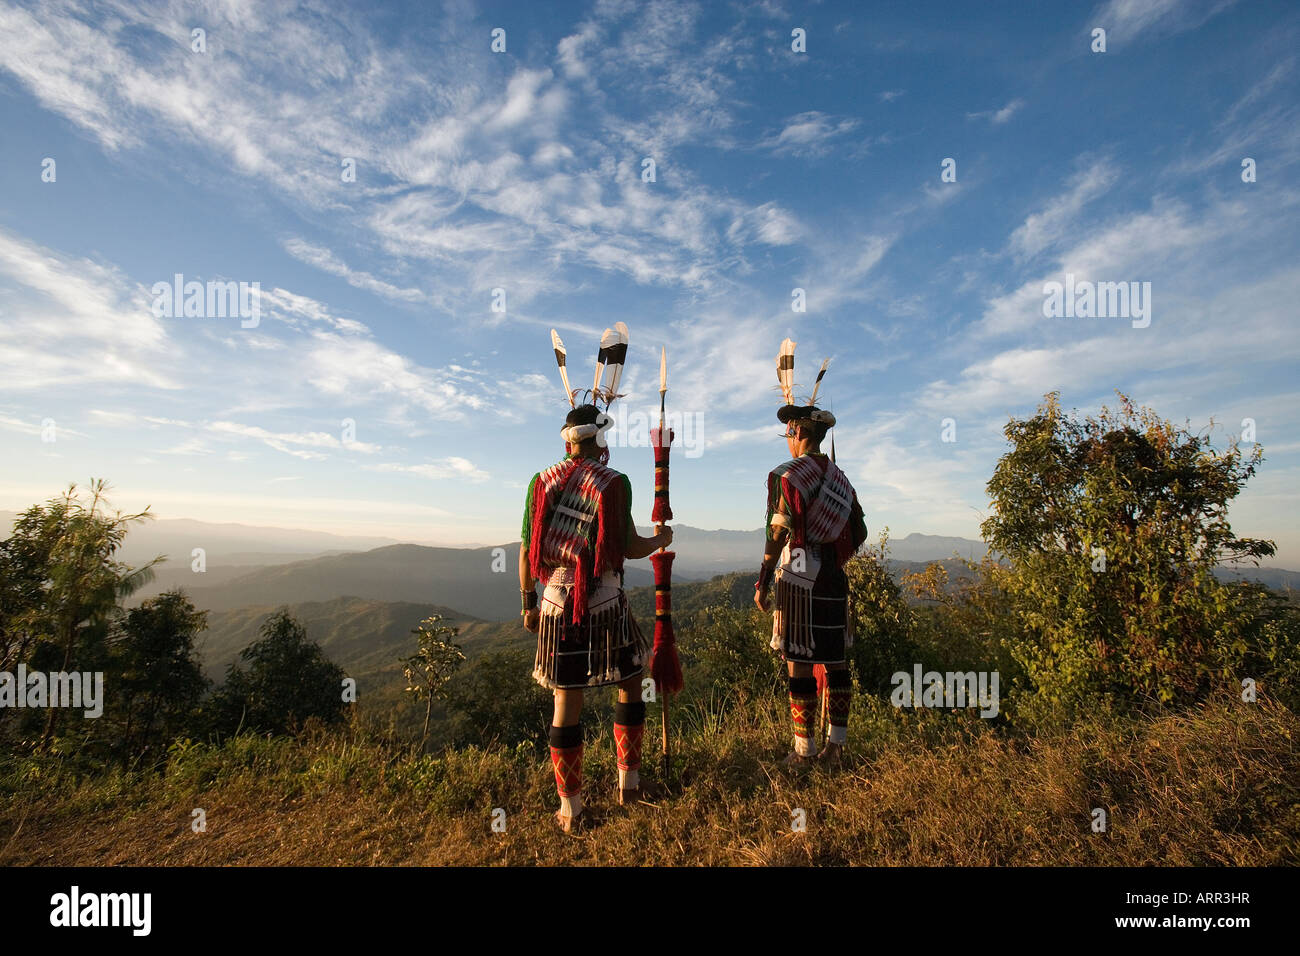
[(605, 340), (614, 370), (786, 375), (561, 356), (818, 384)]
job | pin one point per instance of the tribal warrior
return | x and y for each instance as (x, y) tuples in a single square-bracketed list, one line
[(577, 531), (814, 525)]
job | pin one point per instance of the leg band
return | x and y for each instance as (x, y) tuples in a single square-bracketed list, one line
[(630, 713), (803, 712), (839, 690), (629, 728), (566, 758)]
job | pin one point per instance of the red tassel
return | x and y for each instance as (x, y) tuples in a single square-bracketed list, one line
[(819, 671), (666, 669), (579, 593)]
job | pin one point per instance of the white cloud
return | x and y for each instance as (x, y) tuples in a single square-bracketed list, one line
[(447, 468), (1127, 20), (290, 307), (324, 259), (1057, 219), (808, 134), (1099, 354), (293, 443), (78, 322), (999, 116)]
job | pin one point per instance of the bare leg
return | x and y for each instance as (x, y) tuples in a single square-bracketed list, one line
[(629, 689), (568, 706)]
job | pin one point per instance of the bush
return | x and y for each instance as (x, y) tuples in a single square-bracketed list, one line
[(288, 681)]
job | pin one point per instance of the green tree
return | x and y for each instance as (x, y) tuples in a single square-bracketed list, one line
[(725, 648), (65, 584), (879, 617), (1110, 528), (158, 678), (432, 665), (287, 680), (496, 698)]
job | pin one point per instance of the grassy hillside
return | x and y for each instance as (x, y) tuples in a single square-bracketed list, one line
[(1217, 786)]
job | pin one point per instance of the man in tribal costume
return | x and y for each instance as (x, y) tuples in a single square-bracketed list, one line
[(814, 525), (577, 531)]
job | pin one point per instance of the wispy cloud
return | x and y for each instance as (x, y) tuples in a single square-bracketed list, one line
[(999, 116), (809, 134), (1059, 216), (327, 261), (1129, 20), (77, 321), (448, 468)]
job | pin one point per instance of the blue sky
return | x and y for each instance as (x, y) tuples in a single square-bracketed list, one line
[(522, 170)]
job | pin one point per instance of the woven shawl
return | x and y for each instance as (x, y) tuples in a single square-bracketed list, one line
[(577, 522), (821, 502)]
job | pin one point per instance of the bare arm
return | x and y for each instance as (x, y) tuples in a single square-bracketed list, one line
[(641, 547), (771, 554), (527, 584), (526, 580), (772, 550)]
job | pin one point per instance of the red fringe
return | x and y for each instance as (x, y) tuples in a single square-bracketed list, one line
[(536, 534), (795, 500), (610, 537), (819, 671)]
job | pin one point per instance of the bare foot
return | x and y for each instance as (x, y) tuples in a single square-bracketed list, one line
[(647, 790), (796, 759), (568, 824), (831, 755)]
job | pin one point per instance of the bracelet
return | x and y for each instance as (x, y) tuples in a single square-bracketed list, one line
[(765, 573), (529, 600)]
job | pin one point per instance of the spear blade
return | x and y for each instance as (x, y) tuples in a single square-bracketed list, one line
[(663, 379)]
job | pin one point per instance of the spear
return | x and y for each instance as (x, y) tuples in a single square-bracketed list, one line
[(665, 668)]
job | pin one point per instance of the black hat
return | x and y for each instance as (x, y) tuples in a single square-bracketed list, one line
[(805, 413)]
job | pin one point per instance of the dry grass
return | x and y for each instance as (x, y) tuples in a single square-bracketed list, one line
[(1217, 786)]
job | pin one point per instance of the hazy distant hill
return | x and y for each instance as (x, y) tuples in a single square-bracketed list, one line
[(250, 565), (364, 637), (226, 543), (935, 547), (736, 589), (234, 543), (1279, 579), (462, 578), (701, 552)]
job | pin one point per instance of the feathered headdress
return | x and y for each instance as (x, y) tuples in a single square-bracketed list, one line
[(790, 412), (587, 420)]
